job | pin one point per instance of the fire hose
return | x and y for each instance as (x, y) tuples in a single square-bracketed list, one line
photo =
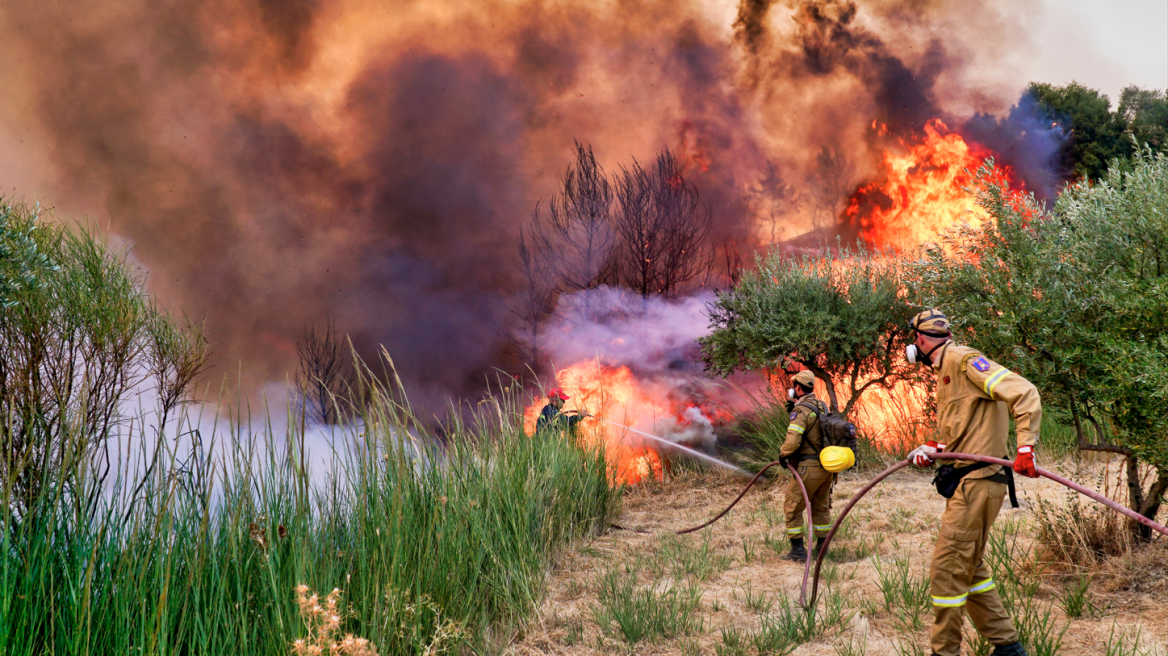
[(804, 602)]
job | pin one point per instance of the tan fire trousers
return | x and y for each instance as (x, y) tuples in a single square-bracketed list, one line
[(819, 483), (961, 581)]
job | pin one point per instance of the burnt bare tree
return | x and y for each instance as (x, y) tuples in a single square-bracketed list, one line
[(325, 375), (775, 198), (829, 185), (580, 218), (664, 229), (534, 297)]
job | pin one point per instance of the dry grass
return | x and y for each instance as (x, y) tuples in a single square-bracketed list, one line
[(743, 596)]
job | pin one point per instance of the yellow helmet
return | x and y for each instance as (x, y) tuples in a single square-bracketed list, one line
[(836, 458)]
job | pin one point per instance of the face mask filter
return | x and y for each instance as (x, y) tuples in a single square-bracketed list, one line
[(915, 356), (790, 392)]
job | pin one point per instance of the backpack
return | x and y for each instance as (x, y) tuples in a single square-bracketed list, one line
[(834, 430)]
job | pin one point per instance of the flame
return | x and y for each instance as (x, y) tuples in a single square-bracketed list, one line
[(607, 392), (920, 191)]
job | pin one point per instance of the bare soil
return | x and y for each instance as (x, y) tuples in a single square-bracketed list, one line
[(897, 521)]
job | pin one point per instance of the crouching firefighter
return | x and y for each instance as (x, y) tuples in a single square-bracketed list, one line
[(975, 398), (553, 417), (801, 449)]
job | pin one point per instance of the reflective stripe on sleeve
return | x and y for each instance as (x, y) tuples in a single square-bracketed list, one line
[(984, 586), (993, 380), (950, 602), (797, 429)]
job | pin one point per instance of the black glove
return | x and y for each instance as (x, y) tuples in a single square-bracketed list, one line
[(790, 405), (785, 462)]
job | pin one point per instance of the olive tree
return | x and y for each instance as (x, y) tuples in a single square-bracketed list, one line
[(840, 314), (1077, 298)]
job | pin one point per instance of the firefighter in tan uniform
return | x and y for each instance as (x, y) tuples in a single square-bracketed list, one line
[(975, 398), (801, 449)]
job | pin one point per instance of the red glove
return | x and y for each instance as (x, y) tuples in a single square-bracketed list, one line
[(1024, 463)]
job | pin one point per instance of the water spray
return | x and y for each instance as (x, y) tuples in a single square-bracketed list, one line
[(693, 452)]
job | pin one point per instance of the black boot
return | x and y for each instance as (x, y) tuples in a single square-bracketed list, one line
[(818, 545), (1015, 649), (798, 553)]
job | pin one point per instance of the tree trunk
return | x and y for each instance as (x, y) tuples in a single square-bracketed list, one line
[(822, 375), (1151, 504)]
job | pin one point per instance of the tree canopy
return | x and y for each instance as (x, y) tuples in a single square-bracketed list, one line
[(1094, 133), (840, 315), (1077, 299)]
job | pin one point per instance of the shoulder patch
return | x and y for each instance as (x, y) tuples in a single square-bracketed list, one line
[(794, 416), (981, 364)]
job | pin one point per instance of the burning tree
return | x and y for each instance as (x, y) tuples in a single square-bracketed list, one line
[(775, 198), (578, 237), (664, 229), (839, 315), (1078, 300)]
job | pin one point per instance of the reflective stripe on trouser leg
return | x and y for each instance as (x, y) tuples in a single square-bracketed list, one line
[(957, 569), (986, 611), (794, 509), (982, 586), (950, 602)]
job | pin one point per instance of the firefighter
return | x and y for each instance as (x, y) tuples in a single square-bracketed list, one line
[(975, 398), (801, 449), (553, 414)]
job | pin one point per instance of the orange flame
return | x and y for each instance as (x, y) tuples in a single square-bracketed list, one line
[(607, 392), (920, 192)]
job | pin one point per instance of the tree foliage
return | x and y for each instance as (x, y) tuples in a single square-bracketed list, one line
[(21, 259), (78, 334), (1094, 133), (841, 315), (1077, 299)]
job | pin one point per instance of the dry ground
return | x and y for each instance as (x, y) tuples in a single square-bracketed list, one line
[(736, 568)]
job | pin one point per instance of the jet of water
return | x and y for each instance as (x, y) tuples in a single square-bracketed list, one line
[(693, 452)]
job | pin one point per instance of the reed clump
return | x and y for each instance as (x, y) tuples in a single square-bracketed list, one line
[(173, 532)]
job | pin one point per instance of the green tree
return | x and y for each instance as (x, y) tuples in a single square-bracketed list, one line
[(21, 261), (77, 335), (840, 315), (1145, 114), (1077, 300), (1094, 133)]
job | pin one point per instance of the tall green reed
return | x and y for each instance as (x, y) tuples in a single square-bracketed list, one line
[(202, 553)]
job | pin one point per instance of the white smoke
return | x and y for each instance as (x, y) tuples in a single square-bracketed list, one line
[(622, 328), (656, 338), (693, 429)]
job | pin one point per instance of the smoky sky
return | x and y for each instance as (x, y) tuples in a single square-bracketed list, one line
[(279, 162)]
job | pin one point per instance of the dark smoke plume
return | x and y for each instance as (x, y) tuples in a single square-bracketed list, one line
[(283, 162)]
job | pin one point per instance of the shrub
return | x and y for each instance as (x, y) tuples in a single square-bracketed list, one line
[(202, 553)]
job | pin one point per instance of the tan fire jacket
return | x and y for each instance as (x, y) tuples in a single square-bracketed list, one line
[(803, 434), (975, 397)]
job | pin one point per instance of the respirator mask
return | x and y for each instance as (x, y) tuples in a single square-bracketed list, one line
[(914, 355), (790, 392)]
